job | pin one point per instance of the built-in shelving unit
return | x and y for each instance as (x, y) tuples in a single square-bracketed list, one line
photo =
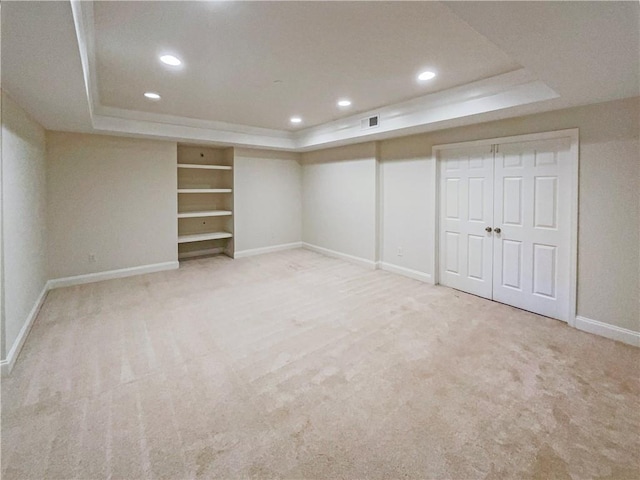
[(204, 167), (210, 213), (205, 201), (199, 237), (204, 190)]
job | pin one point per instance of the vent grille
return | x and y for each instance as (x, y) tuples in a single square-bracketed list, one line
[(370, 122)]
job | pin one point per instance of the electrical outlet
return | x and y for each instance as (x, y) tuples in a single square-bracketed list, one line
[(92, 258), (400, 251)]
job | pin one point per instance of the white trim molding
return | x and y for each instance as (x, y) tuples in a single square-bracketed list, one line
[(363, 262), (262, 250), (111, 274), (7, 364), (407, 272), (613, 332)]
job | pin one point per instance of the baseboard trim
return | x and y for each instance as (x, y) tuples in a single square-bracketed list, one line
[(111, 274), (363, 262), (262, 250), (7, 364), (609, 331), (407, 272), (201, 253)]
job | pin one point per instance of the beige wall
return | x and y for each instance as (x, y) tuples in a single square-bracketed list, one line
[(267, 199), (108, 196), (2, 319), (23, 217), (609, 217), (339, 200), (407, 209), (113, 197), (609, 214)]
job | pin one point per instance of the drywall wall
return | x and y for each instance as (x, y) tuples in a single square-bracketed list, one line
[(267, 199), (609, 216), (339, 210), (2, 321), (111, 197), (609, 245), (407, 208), (24, 223)]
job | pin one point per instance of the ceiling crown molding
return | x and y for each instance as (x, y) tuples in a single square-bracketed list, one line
[(426, 113)]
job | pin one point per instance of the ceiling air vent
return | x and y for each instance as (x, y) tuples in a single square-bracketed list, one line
[(370, 122)]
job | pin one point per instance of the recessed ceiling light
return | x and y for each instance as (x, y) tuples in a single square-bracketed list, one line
[(170, 60), (344, 103), (426, 75), (296, 120), (152, 96)]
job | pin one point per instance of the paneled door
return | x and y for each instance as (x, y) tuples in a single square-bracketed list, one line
[(505, 223), (532, 218), (466, 199)]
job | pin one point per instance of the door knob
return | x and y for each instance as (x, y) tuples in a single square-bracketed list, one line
[(497, 230), (488, 229)]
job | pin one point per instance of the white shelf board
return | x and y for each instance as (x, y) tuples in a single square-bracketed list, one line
[(198, 237), (204, 190), (207, 213), (204, 167)]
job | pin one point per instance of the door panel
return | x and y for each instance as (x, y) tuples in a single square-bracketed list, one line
[(545, 203), (532, 207), (512, 206), (475, 256), (466, 197), (511, 265), (544, 270), (452, 198), (476, 203), (452, 249)]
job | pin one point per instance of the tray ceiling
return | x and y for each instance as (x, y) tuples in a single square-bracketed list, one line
[(259, 63), (249, 66)]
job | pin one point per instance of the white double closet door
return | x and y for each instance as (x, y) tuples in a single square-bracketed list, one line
[(505, 223)]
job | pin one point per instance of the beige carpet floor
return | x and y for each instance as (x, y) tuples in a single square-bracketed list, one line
[(295, 365)]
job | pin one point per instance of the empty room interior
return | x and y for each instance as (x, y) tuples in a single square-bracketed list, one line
[(320, 240)]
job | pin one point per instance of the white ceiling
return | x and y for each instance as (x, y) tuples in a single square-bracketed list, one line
[(84, 66), (233, 52), (41, 65)]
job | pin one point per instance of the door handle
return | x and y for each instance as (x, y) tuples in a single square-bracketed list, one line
[(488, 229), (497, 230)]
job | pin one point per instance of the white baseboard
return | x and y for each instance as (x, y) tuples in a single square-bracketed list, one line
[(610, 331), (363, 262), (200, 253), (262, 250), (7, 364), (111, 274), (407, 272)]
